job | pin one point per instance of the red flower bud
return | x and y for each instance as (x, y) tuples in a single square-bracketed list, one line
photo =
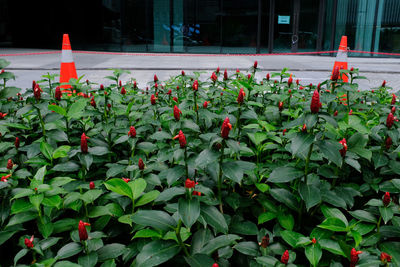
[(241, 95), (189, 183), (215, 265), (175, 99), (297, 81), (29, 242), (343, 151), (385, 258), (4, 178), (120, 83), (195, 85), (177, 87), (225, 75), (153, 99), (285, 257), (134, 84), (335, 74), (155, 78), (177, 113), (393, 99), (314, 240), (10, 164), (315, 102), (169, 92), (87, 82), (109, 105), (217, 70), (91, 185), (304, 128), (141, 164), (156, 85), (57, 94), (352, 69), (283, 132), (335, 114), (389, 120), (388, 142), (280, 106), (264, 241), (354, 257), (101, 87), (83, 235), (37, 92), (290, 91), (255, 64), (351, 112), (267, 77), (196, 193), (384, 83), (226, 127), (2, 115), (205, 104), (16, 143), (126, 180), (92, 102), (301, 87), (386, 199), (123, 91), (84, 146), (393, 109), (290, 81), (33, 84), (319, 87), (248, 76), (183, 73), (182, 139), (214, 77), (237, 71), (132, 132)]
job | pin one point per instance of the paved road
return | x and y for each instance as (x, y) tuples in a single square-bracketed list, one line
[(95, 67)]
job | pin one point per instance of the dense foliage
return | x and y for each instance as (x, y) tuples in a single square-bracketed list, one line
[(224, 171)]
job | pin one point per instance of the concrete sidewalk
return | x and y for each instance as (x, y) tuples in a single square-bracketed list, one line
[(95, 67)]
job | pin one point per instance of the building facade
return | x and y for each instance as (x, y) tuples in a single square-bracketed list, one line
[(203, 26)]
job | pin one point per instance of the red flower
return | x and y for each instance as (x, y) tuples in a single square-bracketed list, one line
[(195, 85), (33, 84), (101, 87), (280, 106), (385, 257), (285, 257), (393, 109), (315, 104), (255, 64), (155, 78), (123, 91), (156, 85), (205, 104), (335, 114), (4, 178), (58, 94), (267, 77), (141, 164), (37, 92), (314, 240), (290, 91), (109, 105), (175, 99), (215, 265), (189, 183), (2, 115), (196, 193), (83, 235), (177, 87), (29, 242), (388, 142), (120, 83), (241, 95), (393, 99), (217, 70), (319, 87), (283, 132), (290, 80), (335, 74), (132, 132), (84, 146), (297, 81), (16, 143), (248, 76), (301, 87), (226, 127), (264, 241), (344, 149), (354, 257), (153, 99), (389, 120), (384, 83), (169, 92), (386, 199), (92, 102), (304, 128), (182, 139), (177, 113), (126, 180), (237, 71), (225, 75), (91, 185), (183, 73), (214, 77), (351, 112), (352, 69), (10, 164)]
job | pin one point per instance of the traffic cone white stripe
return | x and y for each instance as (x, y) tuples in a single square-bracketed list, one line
[(66, 56)]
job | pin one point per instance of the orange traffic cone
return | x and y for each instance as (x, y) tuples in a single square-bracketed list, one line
[(67, 70), (341, 58)]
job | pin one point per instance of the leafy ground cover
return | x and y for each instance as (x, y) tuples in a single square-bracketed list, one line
[(227, 171)]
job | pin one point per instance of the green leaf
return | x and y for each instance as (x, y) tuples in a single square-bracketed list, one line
[(331, 246), (110, 251), (314, 254), (57, 109), (310, 194), (20, 205), (331, 151), (147, 233), (137, 187), (76, 109), (189, 211), (292, 238), (91, 195), (214, 218), (205, 158), (333, 224), (69, 250), (386, 213), (199, 260), (301, 144), (89, 260), (233, 171), (39, 176), (61, 152), (392, 248), (247, 248), (266, 216), (286, 221), (147, 198), (363, 215), (159, 136), (219, 242), (154, 218), (66, 167), (21, 218), (19, 255), (267, 260), (169, 194), (66, 264), (147, 147), (356, 124), (46, 150), (334, 213), (157, 252), (284, 196), (284, 175), (98, 150), (119, 186)]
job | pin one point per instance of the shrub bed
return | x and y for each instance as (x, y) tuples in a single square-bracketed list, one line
[(228, 171)]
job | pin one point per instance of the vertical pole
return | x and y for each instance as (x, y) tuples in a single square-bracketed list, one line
[(259, 27), (171, 22), (321, 16), (271, 26), (333, 30)]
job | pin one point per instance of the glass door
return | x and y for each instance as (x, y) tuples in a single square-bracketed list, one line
[(285, 26)]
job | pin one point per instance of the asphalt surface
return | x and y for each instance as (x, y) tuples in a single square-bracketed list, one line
[(309, 69)]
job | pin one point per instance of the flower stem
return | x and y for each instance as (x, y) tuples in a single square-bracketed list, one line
[(178, 236), (221, 158), (186, 165), (41, 123), (308, 162), (378, 225), (195, 107)]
